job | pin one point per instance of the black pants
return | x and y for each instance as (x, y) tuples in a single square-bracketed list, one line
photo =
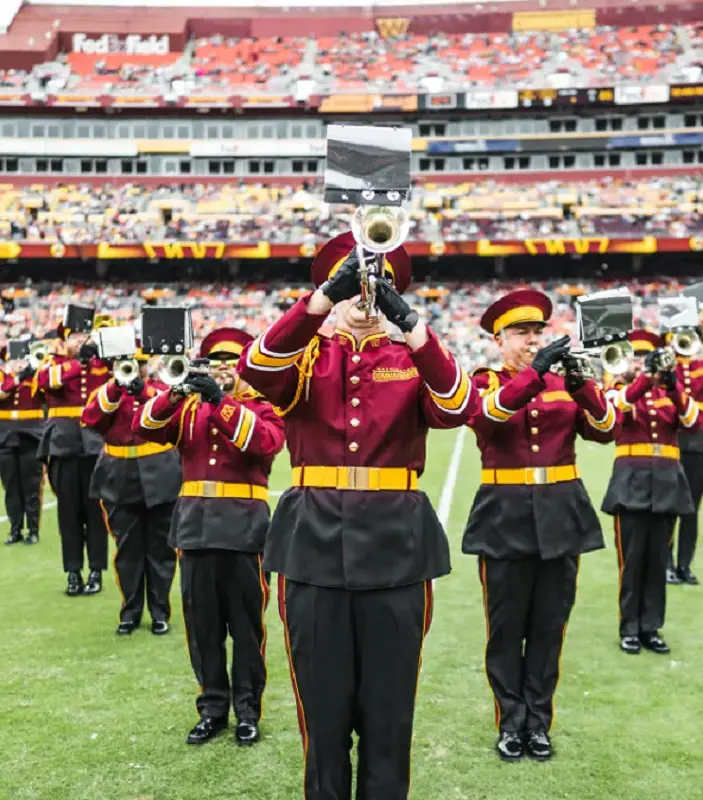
[(355, 663), (226, 592), (527, 603), (692, 464), (22, 477), (144, 560), (642, 540), (81, 520)]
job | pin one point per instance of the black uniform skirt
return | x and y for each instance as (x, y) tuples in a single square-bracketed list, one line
[(657, 485)]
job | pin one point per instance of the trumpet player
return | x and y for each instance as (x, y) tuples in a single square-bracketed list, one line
[(689, 372), (355, 542), (22, 420), (67, 378), (227, 436), (648, 488), (531, 518), (137, 482)]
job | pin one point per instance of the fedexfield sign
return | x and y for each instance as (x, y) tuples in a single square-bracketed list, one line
[(132, 44)]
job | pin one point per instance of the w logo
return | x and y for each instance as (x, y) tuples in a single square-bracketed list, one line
[(393, 26)]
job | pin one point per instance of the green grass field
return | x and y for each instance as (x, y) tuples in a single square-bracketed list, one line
[(87, 716)]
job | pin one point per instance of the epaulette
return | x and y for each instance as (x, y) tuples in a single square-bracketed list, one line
[(493, 382)]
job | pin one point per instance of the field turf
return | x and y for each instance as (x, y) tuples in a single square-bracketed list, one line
[(87, 716)]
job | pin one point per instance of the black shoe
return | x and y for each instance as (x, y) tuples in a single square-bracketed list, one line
[(672, 576), (630, 644), (655, 643), (159, 627), (510, 746), (539, 745), (33, 538), (14, 538), (126, 628), (206, 729), (247, 732), (75, 584), (686, 576), (95, 583)]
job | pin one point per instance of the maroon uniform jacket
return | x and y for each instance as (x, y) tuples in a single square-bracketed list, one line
[(226, 455), (689, 372), (647, 475), (67, 384), (21, 410), (531, 501), (130, 469), (357, 418)]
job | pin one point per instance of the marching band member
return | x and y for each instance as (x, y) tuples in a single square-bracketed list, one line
[(21, 426), (689, 373), (531, 518), (138, 483), (648, 488), (67, 379), (355, 542), (228, 437)]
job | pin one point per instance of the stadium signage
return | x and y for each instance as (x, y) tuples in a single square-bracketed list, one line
[(132, 44)]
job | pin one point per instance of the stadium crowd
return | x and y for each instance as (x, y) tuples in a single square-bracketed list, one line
[(453, 309), (668, 206), (368, 61)]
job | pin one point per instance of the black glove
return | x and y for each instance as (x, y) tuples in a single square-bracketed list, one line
[(207, 387), (574, 377), (136, 387), (550, 355), (395, 309), (345, 281), (26, 374), (88, 350), (668, 380), (650, 366)]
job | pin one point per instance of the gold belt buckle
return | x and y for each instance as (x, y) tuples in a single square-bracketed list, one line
[(132, 451), (539, 476), (358, 478), (209, 489), (14, 414), (656, 449)]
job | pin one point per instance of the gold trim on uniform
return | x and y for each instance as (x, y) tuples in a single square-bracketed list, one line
[(454, 401), (606, 424), (493, 409), (106, 406), (261, 358), (245, 429), (386, 374), (689, 418), (148, 421)]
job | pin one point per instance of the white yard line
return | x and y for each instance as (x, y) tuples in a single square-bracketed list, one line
[(50, 504), (445, 501)]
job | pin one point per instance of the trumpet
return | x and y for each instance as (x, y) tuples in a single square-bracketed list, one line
[(126, 371), (686, 342), (616, 358), (175, 371), (378, 230), (664, 360), (38, 353)]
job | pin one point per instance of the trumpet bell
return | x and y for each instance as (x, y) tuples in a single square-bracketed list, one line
[(686, 343), (38, 352), (126, 371), (380, 229), (616, 358), (174, 370)]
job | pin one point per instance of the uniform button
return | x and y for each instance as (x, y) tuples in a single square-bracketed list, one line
[(356, 358), (214, 448), (648, 394), (653, 423), (534, 412), (534, 430), (650, 402), (355, 423), (355, 379), (687, 381), (355, 402), (535, 448), (214, 431), (652, 412), (655, 436), (353, 447), (213, 461)]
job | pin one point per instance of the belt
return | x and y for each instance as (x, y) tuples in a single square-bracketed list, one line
[(35, 413), (65, 411), (530, 476), (374, 479), (652, 450), (244, 491), (137, 450)]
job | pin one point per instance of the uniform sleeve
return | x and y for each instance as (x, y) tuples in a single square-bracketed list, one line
[(271, 363), (500, 403), (447, 396), (624, 396), (598, 420), (8, 386), (159, 420), (259, 431), (54, 376), (101, 405), (686, 407)]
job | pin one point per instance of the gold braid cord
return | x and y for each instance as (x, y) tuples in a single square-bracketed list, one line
[(304, 366)]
